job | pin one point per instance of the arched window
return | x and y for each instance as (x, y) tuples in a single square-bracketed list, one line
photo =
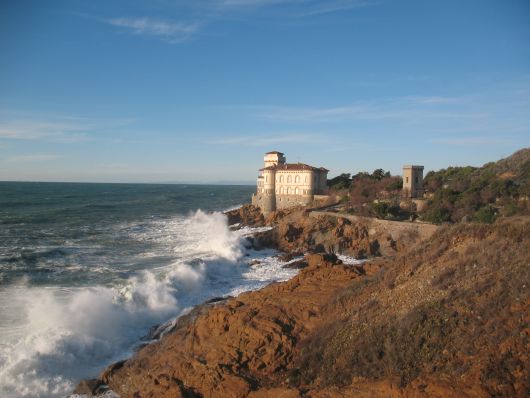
[(296, 191), (297, 179), (281, 178), (288, 191), (288, 178)]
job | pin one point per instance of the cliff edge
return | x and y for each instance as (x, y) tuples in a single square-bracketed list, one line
[(446, 318)]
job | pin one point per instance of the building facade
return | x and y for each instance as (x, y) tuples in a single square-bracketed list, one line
[(281, 184), (413, 181)]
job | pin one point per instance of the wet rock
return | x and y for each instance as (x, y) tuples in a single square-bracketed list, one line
[(91, 387), (246, 216), (158, 330), (217, 300), (300, 264), (285, 257)]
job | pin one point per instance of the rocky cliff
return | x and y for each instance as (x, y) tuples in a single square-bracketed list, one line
[(446, 317), (302, 230)]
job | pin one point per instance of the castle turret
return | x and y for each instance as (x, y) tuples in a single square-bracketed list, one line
[(274, 158), (412, 181), (268, 199)]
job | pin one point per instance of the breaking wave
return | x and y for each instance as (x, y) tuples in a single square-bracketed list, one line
[(51, 337)]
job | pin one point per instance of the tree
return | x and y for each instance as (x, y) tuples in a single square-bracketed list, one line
[(379, 174), (485, 215), (340, 182)]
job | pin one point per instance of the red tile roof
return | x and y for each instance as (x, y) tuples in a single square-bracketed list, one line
[(294, 167)]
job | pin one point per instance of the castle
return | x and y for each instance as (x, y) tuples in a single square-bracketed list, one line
[(281, 185)]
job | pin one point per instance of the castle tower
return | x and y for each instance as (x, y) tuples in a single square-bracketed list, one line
[(412, 181), (274, 158), (268, 201)]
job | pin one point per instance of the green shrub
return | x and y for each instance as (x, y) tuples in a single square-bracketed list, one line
[(384, 209), (380, 209), (395, 185), (485, 215), (436, 214), (510, 209)]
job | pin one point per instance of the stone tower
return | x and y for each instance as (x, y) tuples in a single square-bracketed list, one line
[(273, 158), (268, 180), (412, 181), (268, 201)]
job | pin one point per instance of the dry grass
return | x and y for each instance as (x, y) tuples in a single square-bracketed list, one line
[(475, 315)]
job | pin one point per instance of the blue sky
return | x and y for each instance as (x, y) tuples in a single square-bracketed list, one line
[(198, 90)]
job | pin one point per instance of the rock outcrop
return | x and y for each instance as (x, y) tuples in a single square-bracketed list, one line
[(237, 348), (295, 231), (246, 215), (448, 318)]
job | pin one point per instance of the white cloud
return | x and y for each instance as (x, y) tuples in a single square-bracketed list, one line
[(170, 31), (52, 128), (411, 108), (56, 131), (298, 8), (269, 140), (205, 11), (405, 108), (472, 141), (32, 158), (333, 6)]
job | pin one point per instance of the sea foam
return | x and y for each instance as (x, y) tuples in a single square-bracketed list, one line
[(54, 336)]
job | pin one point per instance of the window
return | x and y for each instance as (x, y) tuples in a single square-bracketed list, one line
[(306, 179), (297, 179), (281, 178), (416, 179), (407, 180), (288, 178), (296, 191)]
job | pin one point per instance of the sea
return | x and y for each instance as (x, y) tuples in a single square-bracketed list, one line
[(86, 270)]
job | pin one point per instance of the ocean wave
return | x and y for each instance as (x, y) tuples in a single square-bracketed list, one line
[(58, 336)]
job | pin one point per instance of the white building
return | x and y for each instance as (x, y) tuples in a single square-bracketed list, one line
[(282, 184)]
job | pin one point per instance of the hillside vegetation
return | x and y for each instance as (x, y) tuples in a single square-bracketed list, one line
[(481, 194), (359, 192)]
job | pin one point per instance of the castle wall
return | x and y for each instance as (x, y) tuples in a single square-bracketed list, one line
[(285, 201), (321, 183), (294, 182)]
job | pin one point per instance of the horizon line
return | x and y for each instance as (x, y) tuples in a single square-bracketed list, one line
[(220, 183)]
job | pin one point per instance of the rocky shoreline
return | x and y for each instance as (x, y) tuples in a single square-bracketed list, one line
[(433, 313)]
